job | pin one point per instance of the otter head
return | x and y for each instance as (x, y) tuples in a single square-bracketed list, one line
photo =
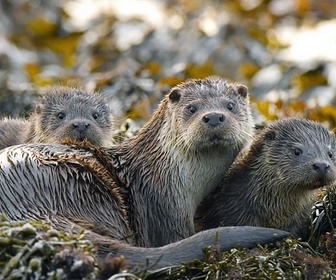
[(210, 114), (300, 154), (69, 113)]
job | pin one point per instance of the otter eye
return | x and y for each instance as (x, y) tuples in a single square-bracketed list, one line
[(192, 109), (61, 116), (95, 115), (330, 154), (297, 152), (231, 106)]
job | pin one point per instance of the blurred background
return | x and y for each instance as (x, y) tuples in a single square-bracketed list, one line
[(134, 51)]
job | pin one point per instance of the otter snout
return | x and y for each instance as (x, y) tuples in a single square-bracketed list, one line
[(82, 129), (321, 167), (80, 126), (323, 174), (213, 119)]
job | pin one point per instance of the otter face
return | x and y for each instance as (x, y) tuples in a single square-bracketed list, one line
[(76, 115), (302, 152), (210, 114)]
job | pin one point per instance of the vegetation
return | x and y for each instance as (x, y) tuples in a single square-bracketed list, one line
[(34, 250)]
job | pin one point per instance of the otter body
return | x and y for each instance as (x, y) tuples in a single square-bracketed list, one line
[(63, 113), (75, 189), (143, 192), (274, 182), (180, 156)]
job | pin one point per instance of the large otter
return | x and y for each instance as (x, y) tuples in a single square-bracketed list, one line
[(149, 186), (274, 182), (180, 155), (62, 113)]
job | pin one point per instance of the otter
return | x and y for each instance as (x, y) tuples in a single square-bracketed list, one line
[(143, 192), (275, 181), (180, 156), (73, 191), (62, 113), (174, 161)]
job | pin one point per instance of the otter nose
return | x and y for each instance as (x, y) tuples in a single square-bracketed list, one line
[(80, 126), (321, 166), (213, 119)]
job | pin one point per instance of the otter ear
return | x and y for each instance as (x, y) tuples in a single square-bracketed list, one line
[(174, 95), (242, 90), (39, 108), (270, 135)]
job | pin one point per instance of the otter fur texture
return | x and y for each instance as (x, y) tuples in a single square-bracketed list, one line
[(68, 188), (62, 113), (275, 181), (181, 155), (145, 191)]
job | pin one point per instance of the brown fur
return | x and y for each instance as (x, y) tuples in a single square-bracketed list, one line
[(274, 183), (62, 113)]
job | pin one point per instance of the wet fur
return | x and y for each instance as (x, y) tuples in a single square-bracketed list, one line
[(80, 194), (268, 185), (145, 191), (171, 165)]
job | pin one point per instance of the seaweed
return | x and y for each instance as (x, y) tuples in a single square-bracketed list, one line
[(34, 250)]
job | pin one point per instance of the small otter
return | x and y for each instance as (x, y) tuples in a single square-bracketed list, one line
[(63, 113), (145, 191), (274, 182)]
